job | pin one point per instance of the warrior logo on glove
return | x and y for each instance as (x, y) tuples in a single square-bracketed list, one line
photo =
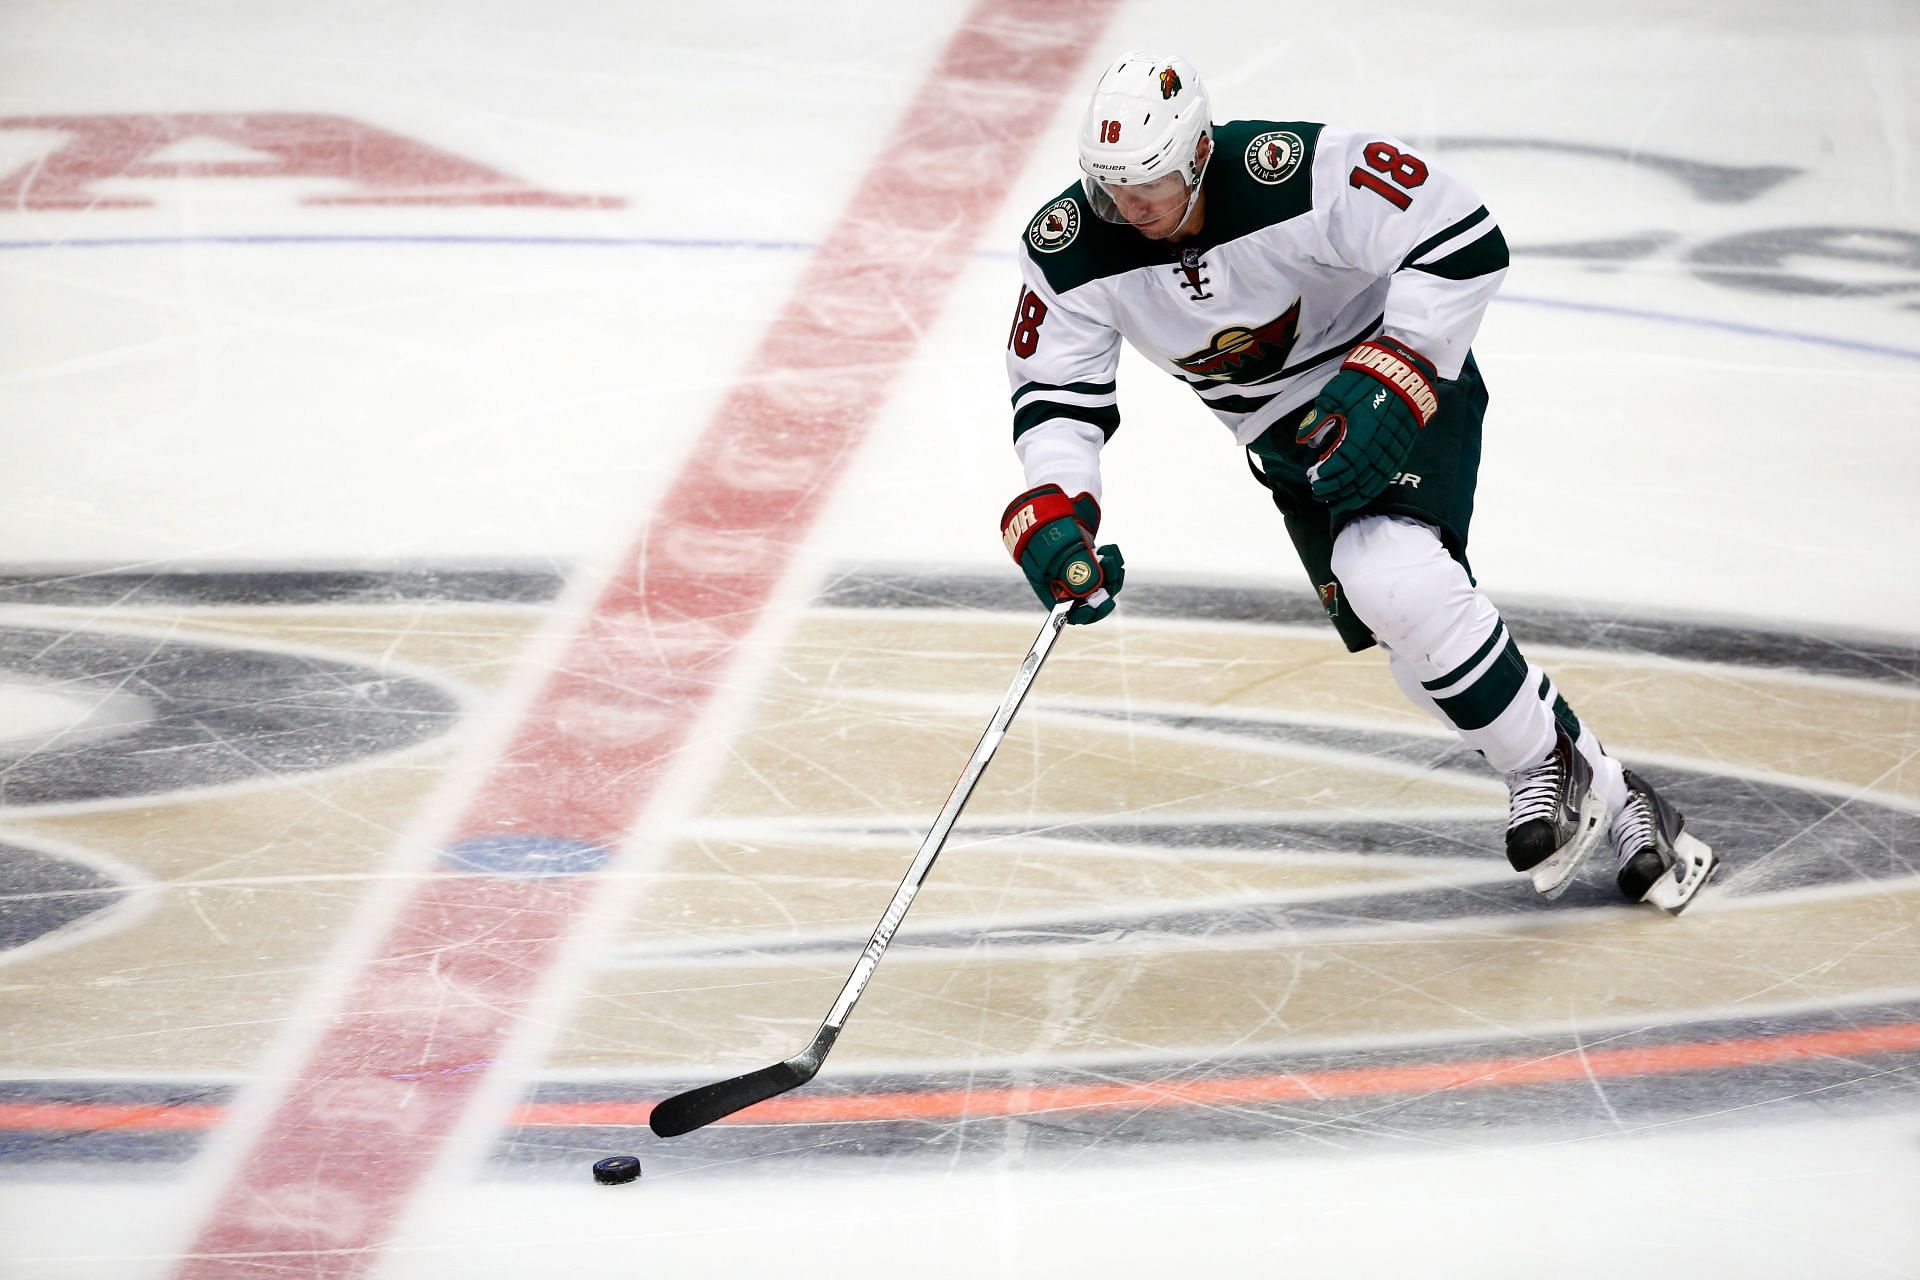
[(1398, 371), (1364, 422)]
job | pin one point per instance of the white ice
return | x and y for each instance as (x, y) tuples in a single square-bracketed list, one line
[(1660, 439)]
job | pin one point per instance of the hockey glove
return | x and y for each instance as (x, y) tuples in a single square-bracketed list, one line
[(1363, 422), (1051, 539)]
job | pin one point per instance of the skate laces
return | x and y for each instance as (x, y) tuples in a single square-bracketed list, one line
[(1633, 829), (1535, 792)]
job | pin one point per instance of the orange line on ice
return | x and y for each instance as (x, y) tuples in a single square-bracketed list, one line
[(964, 1104), (146, 1116), (1489, 1073)]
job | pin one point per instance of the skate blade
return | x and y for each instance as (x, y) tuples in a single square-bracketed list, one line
[(1552, 876), (1694, 865)]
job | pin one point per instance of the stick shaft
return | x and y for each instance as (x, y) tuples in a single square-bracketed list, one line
[(942, 826), (696, 1108)]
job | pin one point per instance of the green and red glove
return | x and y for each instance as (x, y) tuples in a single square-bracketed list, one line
[(1051, 539), (1364, 422)]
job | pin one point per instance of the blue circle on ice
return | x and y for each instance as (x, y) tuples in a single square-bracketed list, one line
[(525, 856)]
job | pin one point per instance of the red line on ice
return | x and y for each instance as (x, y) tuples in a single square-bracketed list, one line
[(345, 1148)]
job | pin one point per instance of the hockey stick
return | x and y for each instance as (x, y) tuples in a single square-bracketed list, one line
[(696, 1108)]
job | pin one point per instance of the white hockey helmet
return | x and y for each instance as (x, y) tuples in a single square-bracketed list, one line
[(1144, 126)]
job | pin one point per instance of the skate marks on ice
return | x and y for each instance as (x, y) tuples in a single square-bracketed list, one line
[(207, 774), (1220, 882), (112, 715), (1223, 882)]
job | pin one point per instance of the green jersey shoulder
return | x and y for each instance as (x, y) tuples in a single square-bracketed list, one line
[(1261, 173)]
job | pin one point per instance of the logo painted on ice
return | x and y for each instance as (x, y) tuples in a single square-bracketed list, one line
[(1056, 226), (1274, 157)]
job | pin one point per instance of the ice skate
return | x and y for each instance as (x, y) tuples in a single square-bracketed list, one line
[(1659, 862), (1554, 817)]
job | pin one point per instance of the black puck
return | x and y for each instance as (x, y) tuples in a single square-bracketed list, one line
[(615, 1170)]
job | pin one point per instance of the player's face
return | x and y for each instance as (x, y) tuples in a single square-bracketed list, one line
[(1154, 209)]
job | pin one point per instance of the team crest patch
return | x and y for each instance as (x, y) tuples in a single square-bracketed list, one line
[(1330, 598), (1056, 226), (1246, 354), (1274, 157), (1169, 82)]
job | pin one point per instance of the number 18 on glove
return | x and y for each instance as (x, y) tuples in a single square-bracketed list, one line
[(1051, 539)]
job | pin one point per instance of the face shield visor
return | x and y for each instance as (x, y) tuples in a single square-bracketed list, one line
[(1155, 207)]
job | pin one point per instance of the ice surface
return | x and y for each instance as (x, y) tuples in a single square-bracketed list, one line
[(350, 907)]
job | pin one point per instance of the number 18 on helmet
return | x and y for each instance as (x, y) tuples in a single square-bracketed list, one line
[(1140, 141)]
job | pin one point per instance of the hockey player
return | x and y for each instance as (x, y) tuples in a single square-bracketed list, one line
[(1319, 290)]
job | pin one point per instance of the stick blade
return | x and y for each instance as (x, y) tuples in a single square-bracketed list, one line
[(697, 1108)]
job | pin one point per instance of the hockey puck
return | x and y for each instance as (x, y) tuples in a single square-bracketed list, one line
[(615, 1170)]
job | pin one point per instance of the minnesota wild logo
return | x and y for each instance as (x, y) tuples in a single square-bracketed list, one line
[(1055, 227), (1169, 82), (1246, 355), (1274, 157)]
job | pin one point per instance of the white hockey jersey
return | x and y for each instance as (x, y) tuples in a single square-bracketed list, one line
[(1314, 239)]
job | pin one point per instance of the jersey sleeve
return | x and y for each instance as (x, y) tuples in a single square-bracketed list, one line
[(1061, 363), (1392, 212)]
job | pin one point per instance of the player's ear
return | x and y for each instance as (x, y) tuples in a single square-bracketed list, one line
[(1203, 149)]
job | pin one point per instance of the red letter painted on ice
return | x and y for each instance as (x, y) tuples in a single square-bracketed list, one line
[(378, 167)]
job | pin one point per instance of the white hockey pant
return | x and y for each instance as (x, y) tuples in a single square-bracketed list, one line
[(1450, 651)]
